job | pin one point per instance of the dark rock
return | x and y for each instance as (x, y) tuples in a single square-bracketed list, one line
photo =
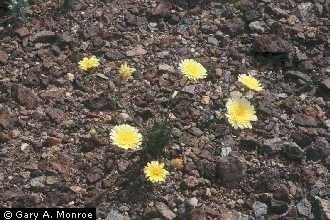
[(102, 102), (302, 139), (213, 41), (321, 208), (260, 209), (271, 44), (93, 177), (3, 57), (22, 32), (162, 9), (25, 97), (4, 137), (234, 26), (249, 143), (278, 207), (282, 193), (114, 55), (292, 151), (271, 146), (305, 120), (297, 75), (55, 115), (7, 121), (44, 37), (304, 208), (326, 83), (197, 214), (320, 149), (196, 131), (230, 170), (164, 210)]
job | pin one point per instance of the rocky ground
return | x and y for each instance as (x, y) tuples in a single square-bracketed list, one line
[(277, 170)]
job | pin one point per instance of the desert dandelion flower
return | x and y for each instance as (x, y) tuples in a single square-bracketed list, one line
[(126, 136), (240, 112), (155, 172), (192, 69), (88, 63), (125, 71), (250, 82)]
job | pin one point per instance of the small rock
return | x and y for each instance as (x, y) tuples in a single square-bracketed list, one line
[(165, 211), (38, 182), (101, 103), (123, 116), (25, 147), (205, 100), (189, 89), (298, 75), (234, 26), (260, 209), (162, 9), (93, 177), (197, 214), (321, 208), (196, 131), (278, 207), (305, 120), (52, 180), (22, 32), (137, 51), (257, 26), (192, 202), (230, 170), (213, 41), (271, 146), (26, 97), (305, 10), (166, 68), (326, 83), (7, 121), (3, 57), (293, 151), (44, 37), (4, 137), (115, 215), (70, 77), (304, 208), (271, 44), (55, 115)]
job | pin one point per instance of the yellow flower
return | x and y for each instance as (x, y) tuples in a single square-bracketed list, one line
[(177, 163), (155, 172), (250, 82), (89, 63), (125, 71), (192, 69), (240, 112), (126, 137)]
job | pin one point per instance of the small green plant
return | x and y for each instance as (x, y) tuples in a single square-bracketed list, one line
[(158, 138), (18, 8)]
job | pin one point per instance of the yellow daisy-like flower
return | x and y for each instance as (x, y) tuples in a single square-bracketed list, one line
[(155, 172), (88, 63), (126, 136), (125, 71), (192, 69), (240, 112), (250, 82)]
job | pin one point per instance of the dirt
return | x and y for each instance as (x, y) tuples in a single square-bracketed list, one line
[(279, 169)]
